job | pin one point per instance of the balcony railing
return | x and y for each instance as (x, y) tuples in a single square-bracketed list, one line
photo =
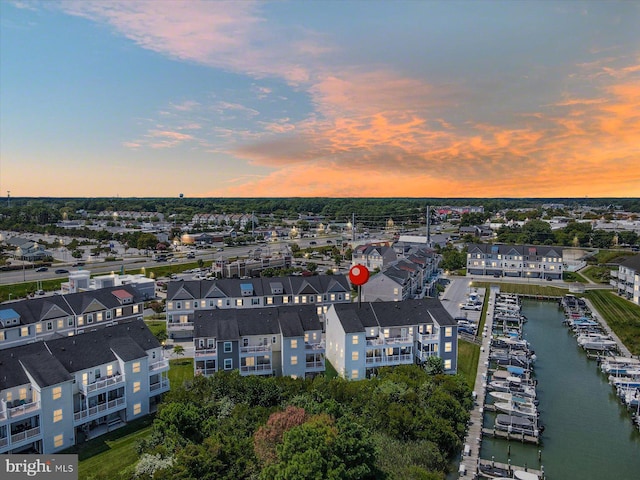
[(396, 340), (101, 384), (318, 364), (23, 409), (314, 346), (263, 368), (390, 359), (162, 386), (180, 326), (98, 409), (428, 337), (159, 365), (203, 352), (26, 435), (255, 348), (4, 441)]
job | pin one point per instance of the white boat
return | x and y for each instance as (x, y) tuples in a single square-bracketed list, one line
[(509, 396), (600, 345), (517, 425), (522, 475), (519, 409)]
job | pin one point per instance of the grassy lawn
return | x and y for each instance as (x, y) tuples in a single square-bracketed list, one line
[(180, 371), (21, 290), (113, 455), (597, 273), (329, 370), (156, 326), (621, 315), (526, 289), (574, 277), (468, 357)]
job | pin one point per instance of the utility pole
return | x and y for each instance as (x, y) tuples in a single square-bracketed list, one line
[(353, 227), (8, 198)]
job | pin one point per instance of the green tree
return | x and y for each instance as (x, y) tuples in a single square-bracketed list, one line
[(434, 365), (178, 350)]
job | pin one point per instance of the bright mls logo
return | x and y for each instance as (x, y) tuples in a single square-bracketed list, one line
[(51, 467)]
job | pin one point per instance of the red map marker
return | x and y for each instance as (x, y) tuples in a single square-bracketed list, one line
[(359, 275)]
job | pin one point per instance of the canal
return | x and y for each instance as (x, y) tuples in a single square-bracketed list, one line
[(588, 433)]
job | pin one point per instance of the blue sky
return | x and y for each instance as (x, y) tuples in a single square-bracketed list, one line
[(324, 98)]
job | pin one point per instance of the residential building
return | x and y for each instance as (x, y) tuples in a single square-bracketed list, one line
[(43, 318), (185, 298), (282, 341), (59, 392), (626, 280), (80, 280), (360, 339), (27, 250), (373, 256), (523, 261), (412, 275)]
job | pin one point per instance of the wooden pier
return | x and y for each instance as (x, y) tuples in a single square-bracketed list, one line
[(520, 437), (512, 468)]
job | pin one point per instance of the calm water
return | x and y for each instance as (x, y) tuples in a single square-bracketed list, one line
[(589, 434)]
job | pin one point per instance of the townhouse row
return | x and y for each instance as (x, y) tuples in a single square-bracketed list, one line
[(289, 340), (186, 298), (58, 392), (42, 318), (520, 261), (404, 272), (626, 280)]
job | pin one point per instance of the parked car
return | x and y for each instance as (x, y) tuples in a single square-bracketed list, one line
[(329, 241), (78, 264), (313, 242), (42, 269), (191, 255), (60, 271)]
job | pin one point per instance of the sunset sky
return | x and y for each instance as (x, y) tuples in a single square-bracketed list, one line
[(324, 98)]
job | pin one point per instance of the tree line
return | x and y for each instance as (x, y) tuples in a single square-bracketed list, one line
[(401, 424)]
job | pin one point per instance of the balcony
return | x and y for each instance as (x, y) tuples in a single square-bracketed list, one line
[(260, 369), (98, 411), (399, 340), (101, 384), (23, 409), (314, 347), (160, 387), (158, 366), (315, 366), (206, 352), (255, 349), (25, 436), (4, 441), (389, 360), (428, 337), (176, 327)]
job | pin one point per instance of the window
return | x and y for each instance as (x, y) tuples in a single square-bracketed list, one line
[(294, 359), (58, 440), (136, 309), (56, 393), (57, 415), (296, 299), (118, 312), (269, 300), (109, 370), (97, 374), (347, 296), (90, 318), (136, 387), (187, 305), (294, 343), (245, 342), (99, 317), (24, 332), (169, 305), (108, 314), (23, 394), (333, 297), (211, 304), (319, 310), (448, 346), (274, 339), (228, 347), (219, 302), (447, 364), (49, 326), (306, 338), (285, 299), (137, 409), (238, 302), (1, 335), (355, 356), (354, 374), (136, 367), (80, 320), (9, 396), (354, 340), (38, 328), (228, 364), (255, 301), (448, 331), (60, 323)]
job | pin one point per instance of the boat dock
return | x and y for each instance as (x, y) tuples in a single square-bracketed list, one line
[(471, 464), (520, 437), (471, 455)]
